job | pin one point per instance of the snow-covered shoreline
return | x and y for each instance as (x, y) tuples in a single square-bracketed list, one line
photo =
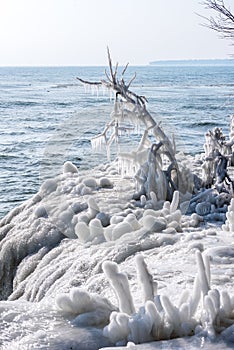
[(123, 254), (42, 260)]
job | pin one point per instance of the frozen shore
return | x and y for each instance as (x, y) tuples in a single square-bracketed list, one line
[(52, 282), (136, 253)]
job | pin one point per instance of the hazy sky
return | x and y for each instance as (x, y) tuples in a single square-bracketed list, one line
[(77, 32)]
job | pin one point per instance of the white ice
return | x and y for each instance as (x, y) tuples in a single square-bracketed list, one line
[(69, 270)]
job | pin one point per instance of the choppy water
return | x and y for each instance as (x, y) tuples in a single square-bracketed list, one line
[(47, 117)]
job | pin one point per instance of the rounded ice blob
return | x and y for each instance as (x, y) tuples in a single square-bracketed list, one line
[(69, 167), (96, 229), (40, 212), (90, 182), (120, 229), (105, 182), (82, 231)]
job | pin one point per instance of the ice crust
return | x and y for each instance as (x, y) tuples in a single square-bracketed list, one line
[(80, 256)]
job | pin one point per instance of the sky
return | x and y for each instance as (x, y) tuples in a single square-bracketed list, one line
[(77, 32)]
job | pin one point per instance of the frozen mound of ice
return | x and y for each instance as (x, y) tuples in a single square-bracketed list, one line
[(41, 234), (26, 325), (85, 308)]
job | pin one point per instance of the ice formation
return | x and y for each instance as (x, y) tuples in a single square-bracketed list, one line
[(215, 191), (205, 311), (154, 162), (63, 253), (218, 154), (53, 247), (89, 309), (229, 224)]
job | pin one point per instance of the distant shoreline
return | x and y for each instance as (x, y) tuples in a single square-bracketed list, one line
[(195, 62)]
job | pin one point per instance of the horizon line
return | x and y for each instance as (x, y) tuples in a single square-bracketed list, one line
[(106, 65)]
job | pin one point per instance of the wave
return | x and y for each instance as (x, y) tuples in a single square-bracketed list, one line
[(62, 86), (13, 104), (203, 124)]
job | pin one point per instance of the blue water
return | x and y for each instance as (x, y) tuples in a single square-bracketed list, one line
[(47, 117)]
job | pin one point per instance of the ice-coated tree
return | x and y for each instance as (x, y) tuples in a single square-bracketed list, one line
[(154, 162)]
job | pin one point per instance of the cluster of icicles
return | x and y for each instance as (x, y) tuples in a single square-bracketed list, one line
[(203, 311)]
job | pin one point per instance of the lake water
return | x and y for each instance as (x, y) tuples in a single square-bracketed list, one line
[(47, 117)]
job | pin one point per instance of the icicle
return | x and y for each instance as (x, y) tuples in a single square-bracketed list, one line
[(104, 90), (110, 95), (86, 87), (98, 142), (97, 91), (92, 89)]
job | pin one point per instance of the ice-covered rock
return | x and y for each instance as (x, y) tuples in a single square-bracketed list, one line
[(69, 167)]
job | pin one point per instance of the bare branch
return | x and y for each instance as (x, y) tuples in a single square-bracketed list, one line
[(124, 70), (116, 70), (110, 65), (119, 87), (131, 80), (223, 23), (89, 82), (108, 78)]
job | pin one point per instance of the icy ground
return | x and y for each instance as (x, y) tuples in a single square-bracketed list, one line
[(54, 292)]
